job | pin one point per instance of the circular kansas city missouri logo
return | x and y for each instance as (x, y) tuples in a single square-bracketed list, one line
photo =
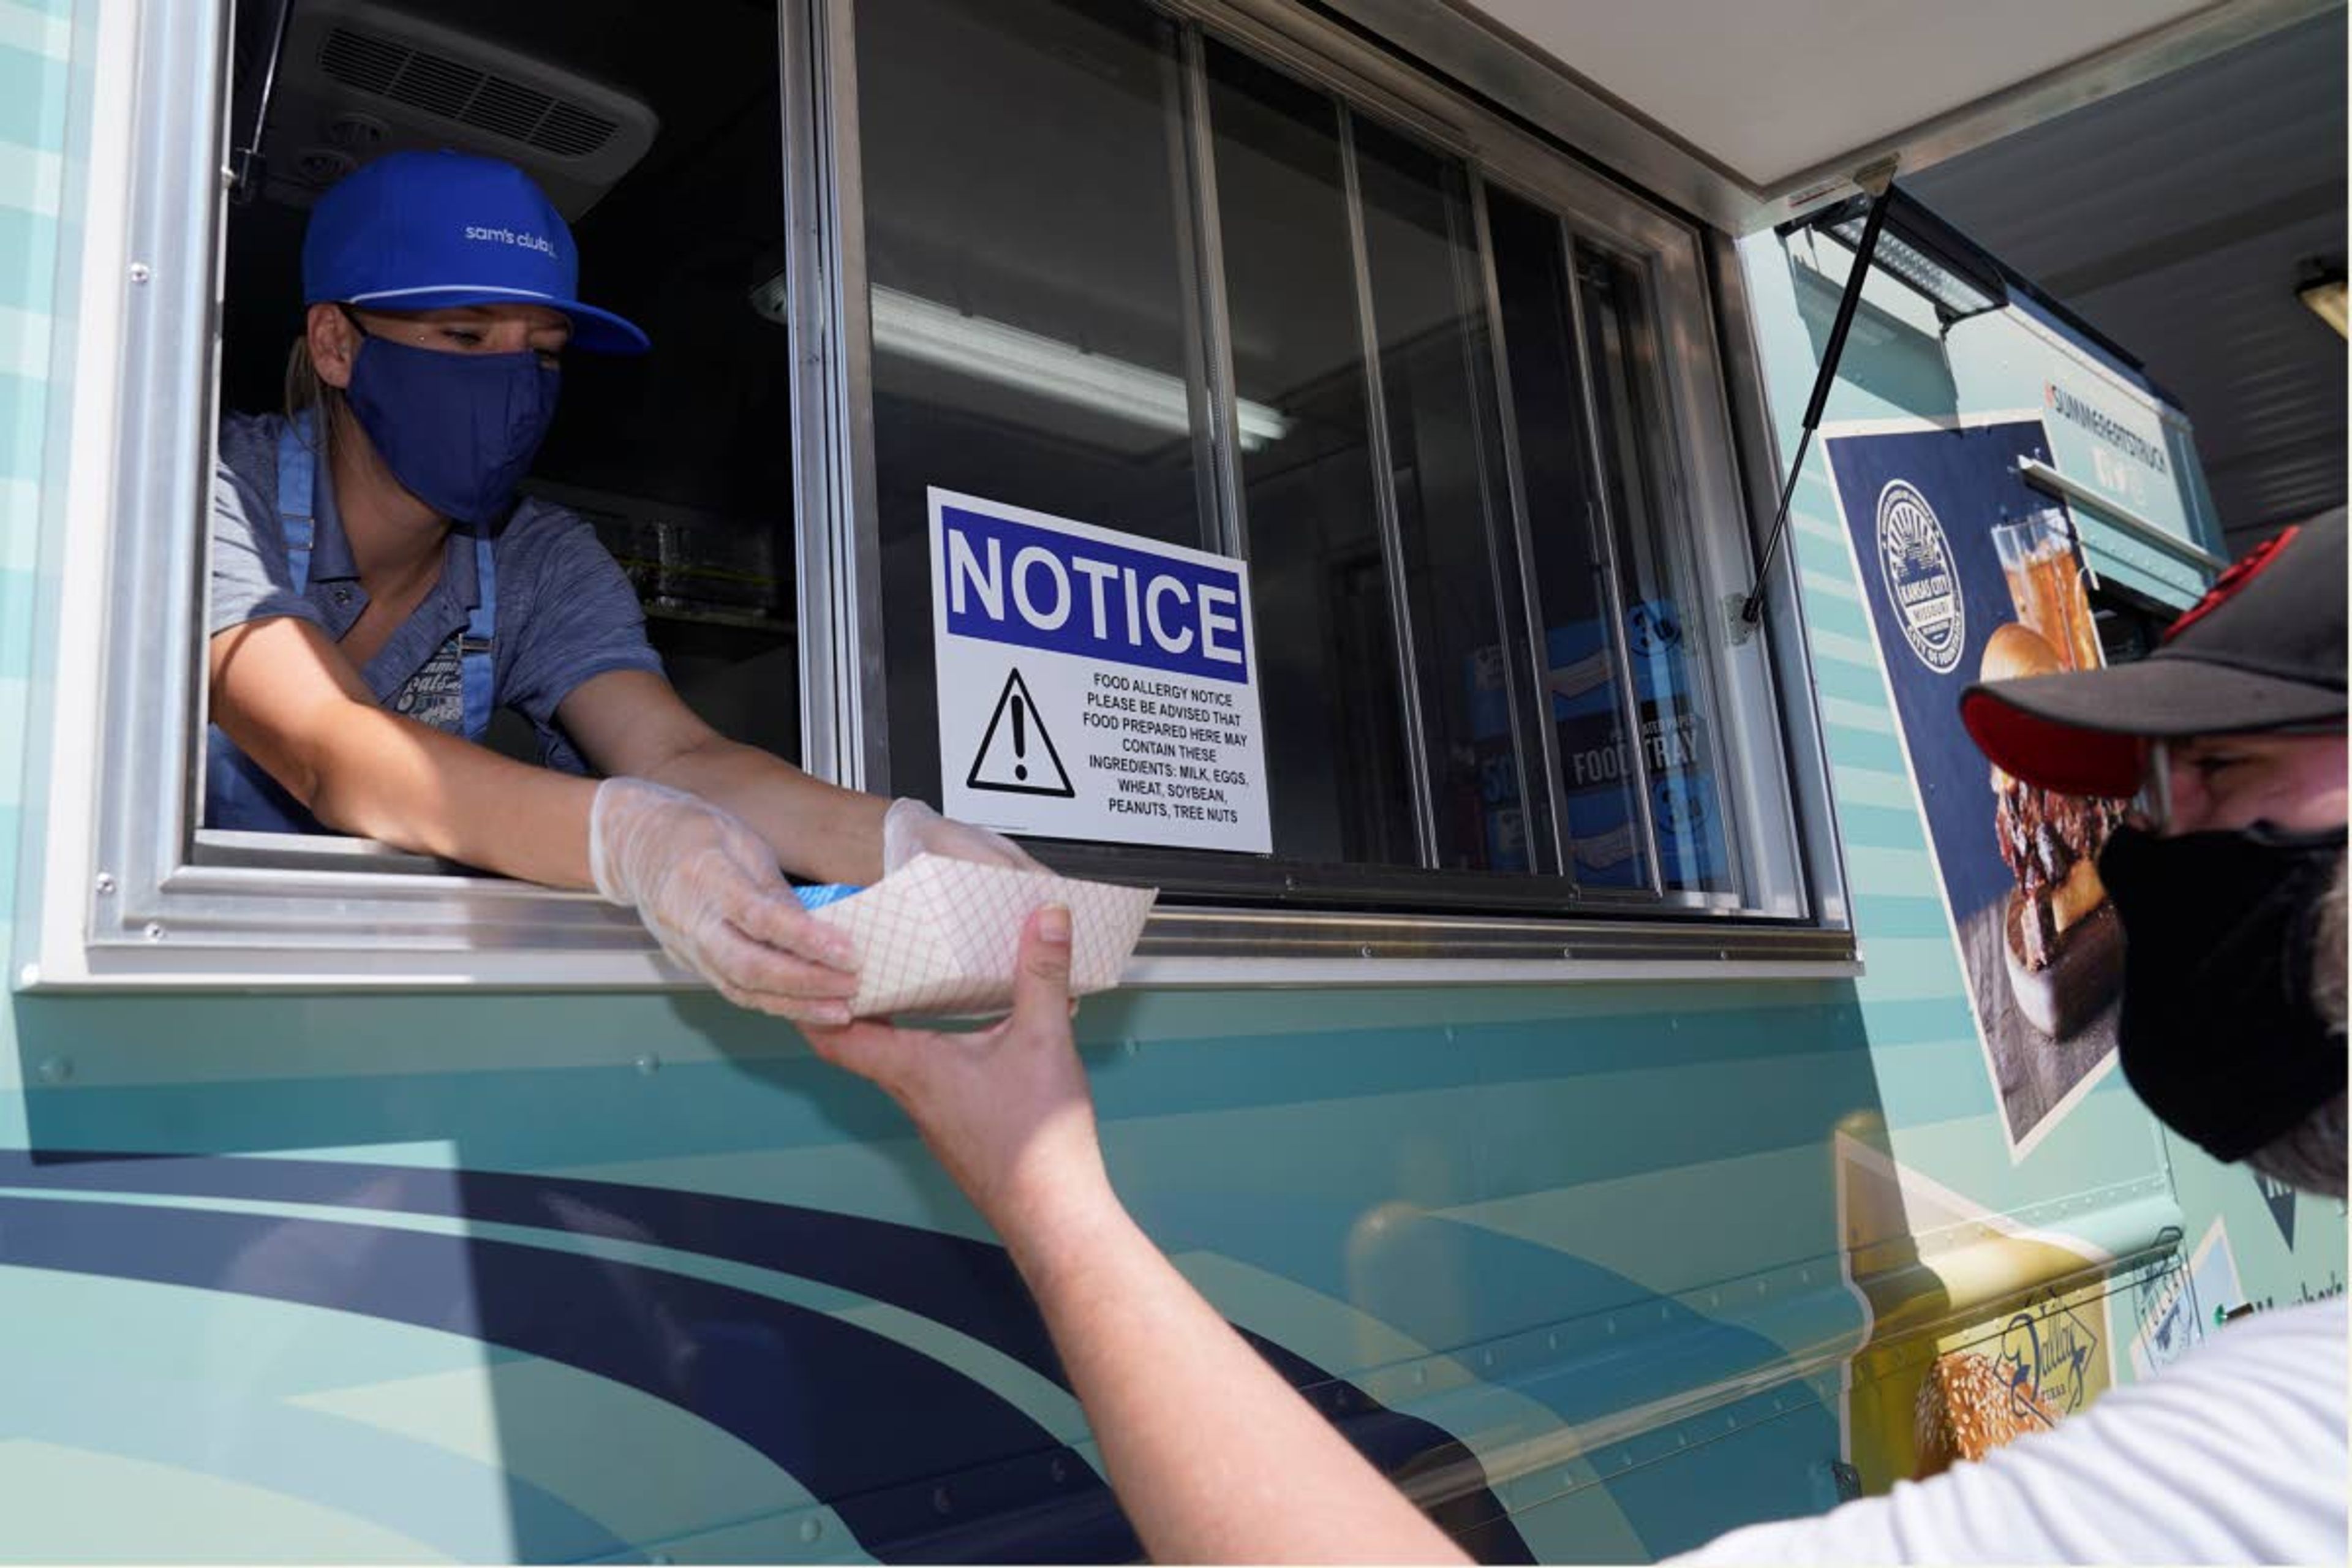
[(1921, 583)]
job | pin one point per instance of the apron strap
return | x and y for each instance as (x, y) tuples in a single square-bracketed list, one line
[(296, 463), (476, 648)]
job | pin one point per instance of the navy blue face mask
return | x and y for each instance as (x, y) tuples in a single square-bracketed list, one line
[(457, 430)]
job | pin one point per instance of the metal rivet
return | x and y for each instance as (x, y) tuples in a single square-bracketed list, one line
[(1289, 884), (141, 273), (940, 1502), (811, 1529), (1568, 952), (105, 883), (1724, 954), (648, 1065), (1365, 950), (56, 1069), (154, 931)]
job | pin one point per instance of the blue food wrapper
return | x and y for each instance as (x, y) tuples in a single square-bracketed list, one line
[(816, 895)]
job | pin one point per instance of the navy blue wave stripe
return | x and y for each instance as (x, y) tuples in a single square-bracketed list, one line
[(967, 1285), (848, 1412)]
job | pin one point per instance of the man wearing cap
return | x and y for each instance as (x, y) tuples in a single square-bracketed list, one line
[(2230, 880), (378, 592)]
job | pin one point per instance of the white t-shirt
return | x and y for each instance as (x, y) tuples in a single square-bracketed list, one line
[(2234, 1453)]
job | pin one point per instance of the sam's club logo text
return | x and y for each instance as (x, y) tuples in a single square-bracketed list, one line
[(1922, 585), (523, 239)]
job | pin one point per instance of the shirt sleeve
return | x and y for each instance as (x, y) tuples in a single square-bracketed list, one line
[(251, 579), (566, 612), (2235, 1454)]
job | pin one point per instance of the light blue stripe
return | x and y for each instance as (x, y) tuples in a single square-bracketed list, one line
[(20, 526), (24, 343), (1868, 786), (1881, 827), (20, 427), (32, 89), (1840, 588), (1856, 748), (1843, 713), (30, 181), (1890, 871), (1898, 915), (34, 31), (16, 697), (1854, 650), (28, 258)]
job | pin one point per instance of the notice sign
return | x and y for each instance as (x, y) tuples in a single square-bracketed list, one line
[(1094, 684)]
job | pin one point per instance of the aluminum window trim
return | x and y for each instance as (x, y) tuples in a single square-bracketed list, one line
[(1419, 770), (1602, 525)]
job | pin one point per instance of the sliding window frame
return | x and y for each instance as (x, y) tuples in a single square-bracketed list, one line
[(1309, 910)]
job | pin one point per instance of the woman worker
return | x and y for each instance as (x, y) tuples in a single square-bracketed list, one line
[(378, 592)]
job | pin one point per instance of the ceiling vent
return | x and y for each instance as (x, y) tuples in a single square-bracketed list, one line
[(358, 79)]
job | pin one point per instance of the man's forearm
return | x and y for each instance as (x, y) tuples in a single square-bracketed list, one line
[(1215, 1456), (818, 830)]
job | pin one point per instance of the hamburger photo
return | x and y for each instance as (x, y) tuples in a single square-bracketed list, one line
[(2061, 937)]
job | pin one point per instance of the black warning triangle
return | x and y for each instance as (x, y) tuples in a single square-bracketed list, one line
[(1016, 755), (2279, 1197)]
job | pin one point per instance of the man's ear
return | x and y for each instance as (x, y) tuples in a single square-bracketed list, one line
[(333, 342)]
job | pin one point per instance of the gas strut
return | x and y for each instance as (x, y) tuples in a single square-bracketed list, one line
[(1879, 181)]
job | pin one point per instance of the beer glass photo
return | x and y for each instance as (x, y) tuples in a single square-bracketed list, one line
[(2045, 584)]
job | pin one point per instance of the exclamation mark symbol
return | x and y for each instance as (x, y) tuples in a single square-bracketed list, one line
[(1020, 736)]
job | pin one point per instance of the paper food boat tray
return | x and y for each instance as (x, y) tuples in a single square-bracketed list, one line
[(942, 936)]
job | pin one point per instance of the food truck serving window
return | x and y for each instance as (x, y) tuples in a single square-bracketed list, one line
[(1179, 434), (1181, 347)]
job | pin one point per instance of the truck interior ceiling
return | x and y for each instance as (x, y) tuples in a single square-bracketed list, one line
[(679, 457)]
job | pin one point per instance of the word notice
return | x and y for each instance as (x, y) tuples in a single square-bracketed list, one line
[(1093, 684)]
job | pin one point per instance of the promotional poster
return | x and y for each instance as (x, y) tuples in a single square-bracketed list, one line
[(1971, 575)]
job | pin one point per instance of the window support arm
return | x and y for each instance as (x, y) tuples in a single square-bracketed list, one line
[(1879, 181)]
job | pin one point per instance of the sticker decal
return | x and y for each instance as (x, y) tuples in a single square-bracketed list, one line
[(1921, 583)]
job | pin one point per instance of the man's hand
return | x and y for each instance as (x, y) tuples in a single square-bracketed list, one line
[(1004, 1110), (910, 828), (708, 887)]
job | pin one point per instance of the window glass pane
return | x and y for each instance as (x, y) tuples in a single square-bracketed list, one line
[(1327, 638), (1665, 624), (1446, 457), (1032, 323), (1585, 684)]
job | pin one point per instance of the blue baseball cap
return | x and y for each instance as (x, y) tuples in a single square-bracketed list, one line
[(423, 231)]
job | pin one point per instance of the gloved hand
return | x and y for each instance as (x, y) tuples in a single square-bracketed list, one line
[(910, 828), (708, 887)]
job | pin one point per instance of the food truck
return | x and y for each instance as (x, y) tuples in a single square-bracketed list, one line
[(1603, 1034)]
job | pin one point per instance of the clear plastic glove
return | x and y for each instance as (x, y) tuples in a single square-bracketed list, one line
[(708, 887), (910, 828)]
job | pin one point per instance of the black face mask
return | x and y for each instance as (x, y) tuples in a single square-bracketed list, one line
[(2219, 1034)]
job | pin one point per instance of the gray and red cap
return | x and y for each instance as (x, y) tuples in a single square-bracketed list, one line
[(2263, 650)]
